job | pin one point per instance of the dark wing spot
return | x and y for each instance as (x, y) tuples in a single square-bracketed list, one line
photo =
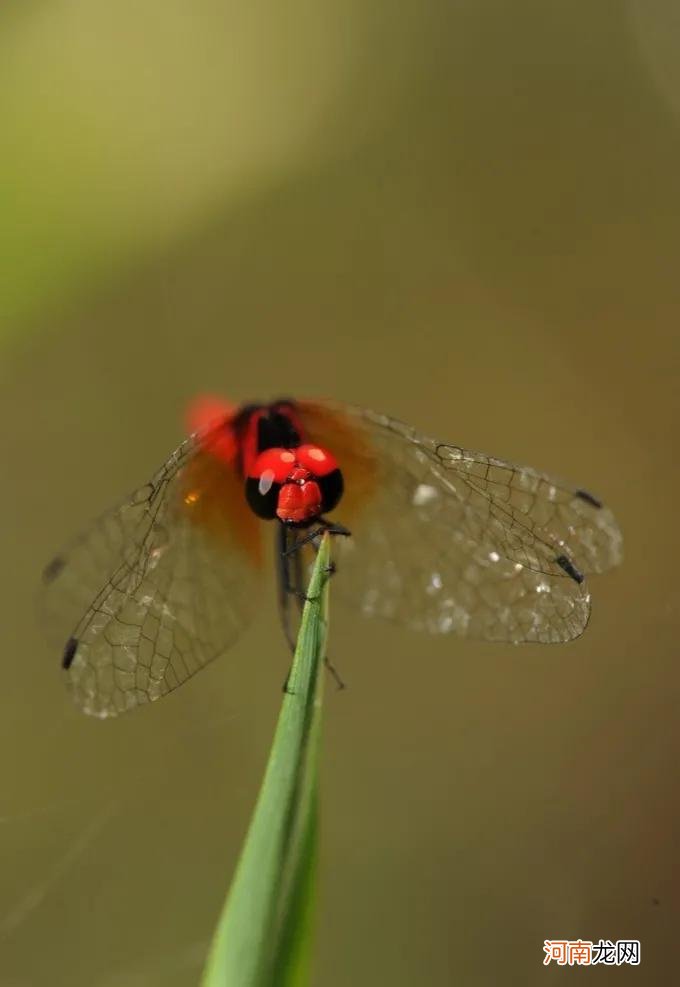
[(565, 563), (53, 568), (69, 652), (589, 499)]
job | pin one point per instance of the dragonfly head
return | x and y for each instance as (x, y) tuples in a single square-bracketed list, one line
[(294, 485)]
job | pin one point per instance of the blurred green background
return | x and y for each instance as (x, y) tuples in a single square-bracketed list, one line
[(465, 214)]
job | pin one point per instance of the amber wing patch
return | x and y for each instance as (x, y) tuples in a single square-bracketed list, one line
[(328, 427), (212, 497)]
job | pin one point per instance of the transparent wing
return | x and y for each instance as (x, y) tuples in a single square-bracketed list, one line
[(455, 541), (155, 589)]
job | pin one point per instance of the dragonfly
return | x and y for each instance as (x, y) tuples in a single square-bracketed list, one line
[(434, 537)]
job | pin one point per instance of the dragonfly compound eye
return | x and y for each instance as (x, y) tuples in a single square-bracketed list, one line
[(294, 485), (262, 497), (270, 470), (324, 467)]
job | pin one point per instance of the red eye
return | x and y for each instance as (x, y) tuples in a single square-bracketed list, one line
[(315, 459), (277, 463)]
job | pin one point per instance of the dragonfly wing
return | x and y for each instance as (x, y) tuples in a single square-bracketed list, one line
[(148, 596), (456, 541)]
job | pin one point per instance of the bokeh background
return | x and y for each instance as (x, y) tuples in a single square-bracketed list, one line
[(462, 213)]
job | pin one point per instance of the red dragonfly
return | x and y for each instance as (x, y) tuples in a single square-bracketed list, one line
[(443, 540)]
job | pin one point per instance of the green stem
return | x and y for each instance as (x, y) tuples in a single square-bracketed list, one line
[(262, 938)]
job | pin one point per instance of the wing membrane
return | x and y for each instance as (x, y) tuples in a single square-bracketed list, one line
[(456, 541), (156, 588)]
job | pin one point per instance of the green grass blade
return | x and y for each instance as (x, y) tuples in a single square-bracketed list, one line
[(263, 936), (294, 947)]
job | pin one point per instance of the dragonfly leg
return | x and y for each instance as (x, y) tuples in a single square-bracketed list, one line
[(330, 668), (334, 673), (285, 586), (322, 528), (290, 577)]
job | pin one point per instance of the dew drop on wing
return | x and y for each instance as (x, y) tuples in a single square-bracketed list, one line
[(69, 652), (564, 562), (589, 499)]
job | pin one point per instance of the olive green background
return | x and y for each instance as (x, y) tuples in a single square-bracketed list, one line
[(467, 215)]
